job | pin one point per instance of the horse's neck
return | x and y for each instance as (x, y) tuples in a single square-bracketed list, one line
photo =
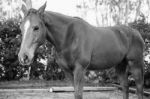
[(57, 26)]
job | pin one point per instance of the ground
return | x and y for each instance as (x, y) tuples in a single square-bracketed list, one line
[(19, 90), (62, 95)]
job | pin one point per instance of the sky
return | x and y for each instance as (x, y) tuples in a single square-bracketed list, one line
[(67, 7)]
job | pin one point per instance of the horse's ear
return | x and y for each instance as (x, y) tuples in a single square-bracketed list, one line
[(24, 9), (42, 8)]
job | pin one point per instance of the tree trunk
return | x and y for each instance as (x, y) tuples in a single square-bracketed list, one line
[(126, 11), (28, 3), (148, 4), (138, 10), (96, 13)]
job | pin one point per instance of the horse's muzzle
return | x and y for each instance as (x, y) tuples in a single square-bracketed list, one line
[(24, 59)]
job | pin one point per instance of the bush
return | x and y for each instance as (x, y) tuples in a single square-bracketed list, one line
[(142, 27), (9, 45)]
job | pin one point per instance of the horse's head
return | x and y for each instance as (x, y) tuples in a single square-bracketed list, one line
[(33, 33)]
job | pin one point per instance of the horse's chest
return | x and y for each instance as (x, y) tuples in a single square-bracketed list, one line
[(66, 58)]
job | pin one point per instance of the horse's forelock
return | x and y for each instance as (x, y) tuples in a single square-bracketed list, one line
[(32, 11)]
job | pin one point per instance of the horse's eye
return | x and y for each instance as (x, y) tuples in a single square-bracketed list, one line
[(36, 28)]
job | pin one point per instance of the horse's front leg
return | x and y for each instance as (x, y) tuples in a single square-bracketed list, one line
[(78, 81)]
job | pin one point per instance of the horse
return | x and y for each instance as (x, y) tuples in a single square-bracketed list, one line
[(81, 46)]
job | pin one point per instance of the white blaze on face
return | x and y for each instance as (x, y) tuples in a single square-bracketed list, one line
[(26, 27)]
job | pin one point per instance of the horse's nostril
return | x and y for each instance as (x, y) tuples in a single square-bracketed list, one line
[(25, 59)]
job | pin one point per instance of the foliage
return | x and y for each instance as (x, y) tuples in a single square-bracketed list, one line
[(9, 35), (142, 26), (9, 9), (53, 72), (12, 8)]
